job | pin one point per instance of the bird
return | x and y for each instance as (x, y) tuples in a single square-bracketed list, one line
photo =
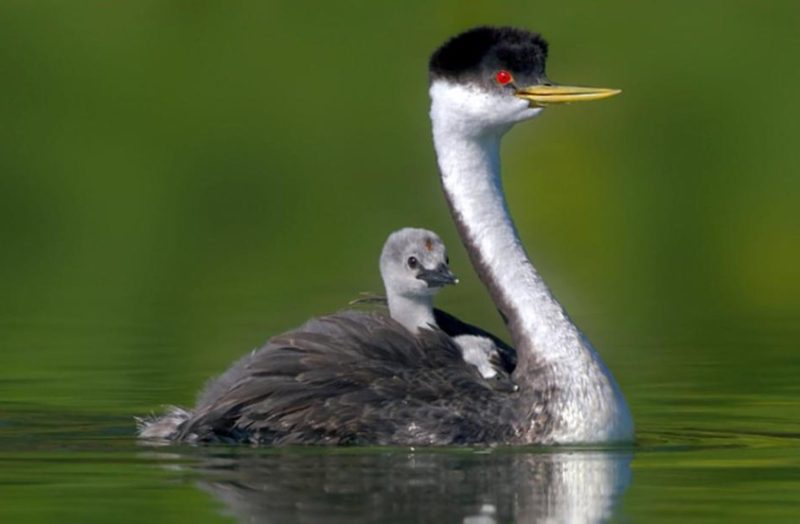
[(414, 267), (359, 378)]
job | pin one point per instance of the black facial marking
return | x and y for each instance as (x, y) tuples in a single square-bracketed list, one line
[(477, 54)]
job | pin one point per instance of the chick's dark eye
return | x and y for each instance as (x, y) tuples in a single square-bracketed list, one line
[(447, 260), (412, 262)]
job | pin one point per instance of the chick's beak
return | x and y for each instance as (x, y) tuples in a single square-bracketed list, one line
[(437, 277)]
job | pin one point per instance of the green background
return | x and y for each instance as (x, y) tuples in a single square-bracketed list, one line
[(179, 180)]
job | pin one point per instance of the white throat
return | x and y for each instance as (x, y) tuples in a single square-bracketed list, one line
[(553, 354), (413, 313)]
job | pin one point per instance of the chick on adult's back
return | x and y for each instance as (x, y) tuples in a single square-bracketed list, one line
[(414, 267), (362, 378)]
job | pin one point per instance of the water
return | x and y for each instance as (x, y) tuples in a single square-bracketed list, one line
[(178, 182), (708, 450)]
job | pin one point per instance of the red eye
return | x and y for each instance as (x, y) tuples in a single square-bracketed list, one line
[(503, 77)]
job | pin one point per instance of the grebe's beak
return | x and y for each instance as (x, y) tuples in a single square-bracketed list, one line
[(437, 277), (546, 95)]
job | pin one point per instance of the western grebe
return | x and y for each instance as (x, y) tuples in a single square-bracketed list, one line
[(360, 378)]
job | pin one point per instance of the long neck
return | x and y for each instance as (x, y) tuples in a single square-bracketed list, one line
[(412, 313), (470, 171), (558, 371)]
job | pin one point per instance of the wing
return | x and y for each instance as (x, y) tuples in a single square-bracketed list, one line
[(352, 378), (506, 360), (506, 355)]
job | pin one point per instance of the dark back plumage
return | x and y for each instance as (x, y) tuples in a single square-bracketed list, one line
[(506, 361), (352, 378)]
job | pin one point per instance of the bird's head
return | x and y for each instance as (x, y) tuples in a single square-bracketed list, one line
[(487, 79), (414, 263)]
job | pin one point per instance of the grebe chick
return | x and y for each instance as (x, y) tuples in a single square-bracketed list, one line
[(414, 267)]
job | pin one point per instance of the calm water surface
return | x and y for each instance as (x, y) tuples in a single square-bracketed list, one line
[(718, 442), (155, 225)]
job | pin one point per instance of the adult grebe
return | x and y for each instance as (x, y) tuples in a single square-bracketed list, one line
[(360, 378)]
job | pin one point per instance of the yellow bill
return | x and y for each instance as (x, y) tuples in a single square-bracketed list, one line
[(541, 95)]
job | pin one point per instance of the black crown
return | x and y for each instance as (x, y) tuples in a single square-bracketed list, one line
[(477, 50)]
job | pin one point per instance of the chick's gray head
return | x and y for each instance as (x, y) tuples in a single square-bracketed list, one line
[(414, 262)]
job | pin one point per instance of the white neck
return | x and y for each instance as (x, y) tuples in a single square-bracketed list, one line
[(413, 313), (557, 365)]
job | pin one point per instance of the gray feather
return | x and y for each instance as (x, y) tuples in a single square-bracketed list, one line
[(352, 378)]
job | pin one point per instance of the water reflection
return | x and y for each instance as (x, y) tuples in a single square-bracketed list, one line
[(401, 486)]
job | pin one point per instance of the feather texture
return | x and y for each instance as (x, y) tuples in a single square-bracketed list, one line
[(352, 378)]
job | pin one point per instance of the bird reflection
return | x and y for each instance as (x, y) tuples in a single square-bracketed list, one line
[(305, 486)]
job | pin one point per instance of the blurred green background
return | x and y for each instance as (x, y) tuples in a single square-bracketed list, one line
[(179, 180)]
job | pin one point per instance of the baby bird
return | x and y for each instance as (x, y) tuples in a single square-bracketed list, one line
[(414, 266)]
